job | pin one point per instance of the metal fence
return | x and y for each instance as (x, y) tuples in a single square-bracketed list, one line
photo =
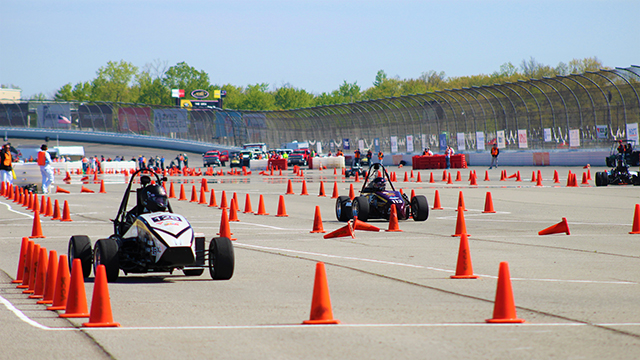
[(602, 105)]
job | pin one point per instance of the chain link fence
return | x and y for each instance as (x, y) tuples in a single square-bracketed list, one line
[(592, 108)]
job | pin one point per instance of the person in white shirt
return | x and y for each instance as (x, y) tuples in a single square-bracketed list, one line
[(447, 154), (44, 160)]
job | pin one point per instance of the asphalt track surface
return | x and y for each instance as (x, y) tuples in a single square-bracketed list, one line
[(391, 291)]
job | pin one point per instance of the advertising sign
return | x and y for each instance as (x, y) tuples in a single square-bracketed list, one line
[(135, 119), (394, 144), (443, 141), (345, 144), (479, 140), (574, 138), (501, 139), (168, 121), (522, 139), (409, 143), (601, 131), (360, 145), (632, 132), (376, 144), (547, 135), (424, 141), (461, 144)]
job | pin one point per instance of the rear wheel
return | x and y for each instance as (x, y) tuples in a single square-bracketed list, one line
[(221, 258), (360, 208), (80, 248), (343, 211), (106, 253), (419, 208)]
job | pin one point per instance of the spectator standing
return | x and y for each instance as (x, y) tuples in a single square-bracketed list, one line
[(494, 156), (447, 155), (6, 167), (44, 161)]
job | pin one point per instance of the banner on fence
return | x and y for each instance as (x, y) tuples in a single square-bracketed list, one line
[(424, 141), (547, 135), (409, 143), (501, 139), (394, 144), (360, 144), (460, 138), (601, 131), (632, 132), (522, 139), (135, 119), (376, 144), (345, 144), (443, 141), (480, 140), (167, 121), (48, 115), (574, 137)]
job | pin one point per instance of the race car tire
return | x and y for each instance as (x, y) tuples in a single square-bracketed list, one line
[(343, 211), (221, 258), (80, 248), (604, 178), (599, 178), (192, 272), (105, 253), (360, 208), (419, 208)]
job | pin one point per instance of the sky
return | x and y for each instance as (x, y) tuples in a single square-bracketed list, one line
[(310, 44)]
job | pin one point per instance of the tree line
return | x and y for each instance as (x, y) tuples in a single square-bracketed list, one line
[(124, 82)]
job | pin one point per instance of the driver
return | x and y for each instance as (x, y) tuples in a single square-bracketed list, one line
[(378, 184), (151, 198)]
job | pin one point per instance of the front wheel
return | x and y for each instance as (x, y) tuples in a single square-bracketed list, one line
[(106, 253), (80, 248), (602, 178), (221, 258), (343, 208), (360, 208), (419, 208)]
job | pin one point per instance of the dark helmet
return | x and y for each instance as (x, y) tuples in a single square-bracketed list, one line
[(379, 183), (155, 198)]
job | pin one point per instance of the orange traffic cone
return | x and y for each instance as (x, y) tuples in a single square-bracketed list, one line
[(49, 208), (473, 181), (223, 200), (225, 231), (413, 194), (635, 229), (412, 174), (317, 222), (346, 230), (56, 211), (204, 184), (436, 202), (43, 206), (556, 178), (21, 260), (419, 178), (533, 176), (61, 190), (172, 191), (444, 175), (282, 210), (393, 220), (32, 271), (41, 275), (52, 271), (261, 209), (569, 179), (352, 195), (458, 176), (102, 189), (304, 188), (357, 179), (335, 191), (233, 212), (518, 178), (321, 192), (449, 179), (461, 202), (203, 196), (289, 188), (247, 205), (26, 270), (66, 215), (486, 175), (100, 315), (488, 204), (36, 229), (62, 285), (584, 179), (406, 177), (212, 199), (461, 226), (561, 227), (194, 197), (504, 308), (361, 225), (321, 312), (183, 196), (431, 181), (464, 268), (539, 179), (77, 299), (85, 190)]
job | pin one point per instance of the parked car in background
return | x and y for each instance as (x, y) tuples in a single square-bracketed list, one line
[(211, 158), (297, 158)]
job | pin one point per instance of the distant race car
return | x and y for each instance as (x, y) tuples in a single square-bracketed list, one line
[(150, 237), (625, 147), (375, 201), (619, 175), (355, 169)]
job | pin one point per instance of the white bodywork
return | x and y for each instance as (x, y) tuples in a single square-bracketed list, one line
[(164, 230)]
